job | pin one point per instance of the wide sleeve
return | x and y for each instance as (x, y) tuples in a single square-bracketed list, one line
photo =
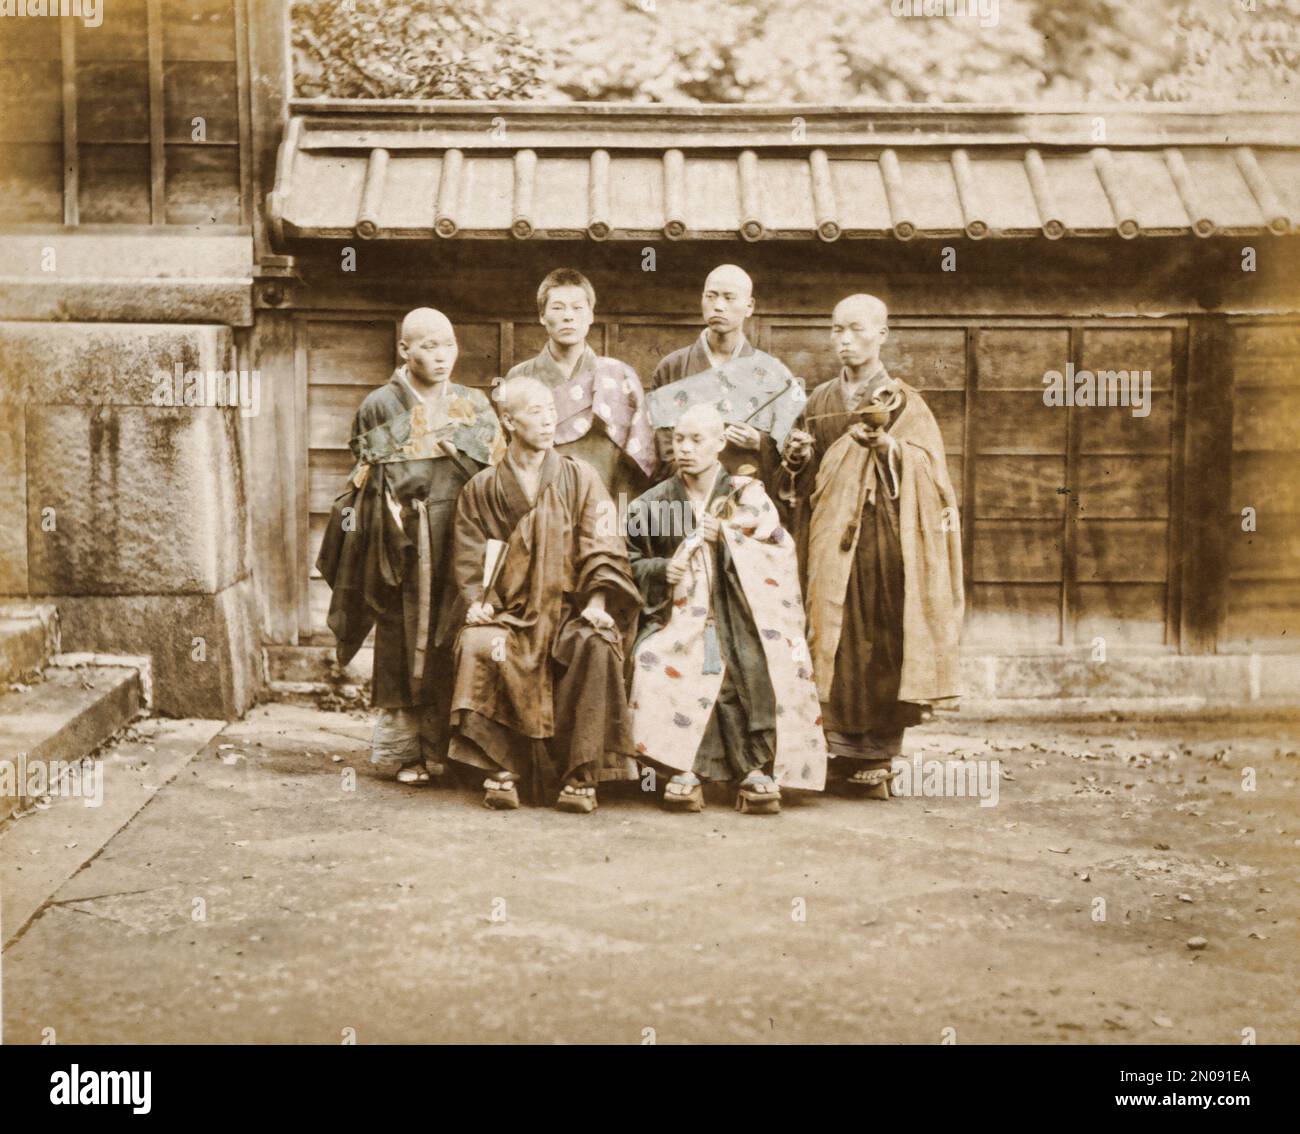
[(649, 570), (469, 541), (600, 552)]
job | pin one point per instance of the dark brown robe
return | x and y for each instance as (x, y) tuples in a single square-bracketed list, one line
[(539, 691)]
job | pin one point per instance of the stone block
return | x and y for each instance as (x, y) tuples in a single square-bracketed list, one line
[(205, 649), (103, 363), (1215, 679), (13, 478), (145, 500)]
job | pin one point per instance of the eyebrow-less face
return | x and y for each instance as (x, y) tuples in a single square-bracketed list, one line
[(428, 345), (858, 330), (728, 299), (698, 439)]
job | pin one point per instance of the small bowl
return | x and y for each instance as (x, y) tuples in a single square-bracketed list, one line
[(876, 417)]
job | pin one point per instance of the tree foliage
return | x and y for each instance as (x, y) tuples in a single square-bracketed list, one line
[(830, 51)]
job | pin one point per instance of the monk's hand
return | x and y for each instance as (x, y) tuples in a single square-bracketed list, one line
[(676, 569), (876, 439), (740, 436), (710, 525), (480, 614), (798, 448), (595, 613)]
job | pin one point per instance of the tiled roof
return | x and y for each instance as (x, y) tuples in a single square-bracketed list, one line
[(517, 171)]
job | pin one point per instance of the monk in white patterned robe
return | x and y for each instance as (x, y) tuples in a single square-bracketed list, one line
[(722, 684)]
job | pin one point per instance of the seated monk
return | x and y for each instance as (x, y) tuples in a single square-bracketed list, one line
[(538, 694), (722, 633)]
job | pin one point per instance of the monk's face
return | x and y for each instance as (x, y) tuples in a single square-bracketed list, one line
[(568, 315), (430, 351), (697, 442), (727, 301), (532, 420), (857, 333)]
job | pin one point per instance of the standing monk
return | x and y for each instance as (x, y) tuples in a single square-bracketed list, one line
[(539, 692), (599, 402), (877, 522), (386, 554), (722, 633), (771, 396)]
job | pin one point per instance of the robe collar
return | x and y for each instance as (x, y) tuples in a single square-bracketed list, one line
[(744, 349), (842, 386), (676, 487), (554, 374), (512, 488)]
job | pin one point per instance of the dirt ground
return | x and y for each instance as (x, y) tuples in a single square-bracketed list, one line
[(255, 898)]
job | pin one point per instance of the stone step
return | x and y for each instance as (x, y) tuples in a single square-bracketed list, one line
[(29, 636), (63, 718)]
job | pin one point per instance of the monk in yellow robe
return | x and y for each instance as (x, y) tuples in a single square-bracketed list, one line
[(876, 519)]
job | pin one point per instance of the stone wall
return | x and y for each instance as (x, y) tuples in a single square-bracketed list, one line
[(131, 515)]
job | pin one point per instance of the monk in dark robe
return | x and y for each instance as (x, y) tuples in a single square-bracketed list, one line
[(386, 553), (722, 630), (539, 691), (600, 404), (877, 523), (727, 301)]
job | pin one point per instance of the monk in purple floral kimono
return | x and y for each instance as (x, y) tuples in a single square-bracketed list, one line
[(599, 401)]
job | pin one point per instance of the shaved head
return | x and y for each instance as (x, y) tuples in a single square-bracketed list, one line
[(862, 306), (422, 322), (729, 277), (703, 418), (514, 396)]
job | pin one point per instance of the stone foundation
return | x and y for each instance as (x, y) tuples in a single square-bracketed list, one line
[(131, 516)]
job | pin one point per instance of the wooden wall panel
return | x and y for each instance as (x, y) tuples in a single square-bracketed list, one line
[(1012, 486), (351, 352), (1123, 488), (1132, 614), (1017, 551), (1015, 421), (1263, 591), (1005, 616), (1017, 358)]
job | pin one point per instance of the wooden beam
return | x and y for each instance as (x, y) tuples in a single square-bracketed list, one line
[(157, 139), (265, 86), (71, 156), (1207, 482)]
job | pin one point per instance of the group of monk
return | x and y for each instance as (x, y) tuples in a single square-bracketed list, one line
[(720, 579)]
